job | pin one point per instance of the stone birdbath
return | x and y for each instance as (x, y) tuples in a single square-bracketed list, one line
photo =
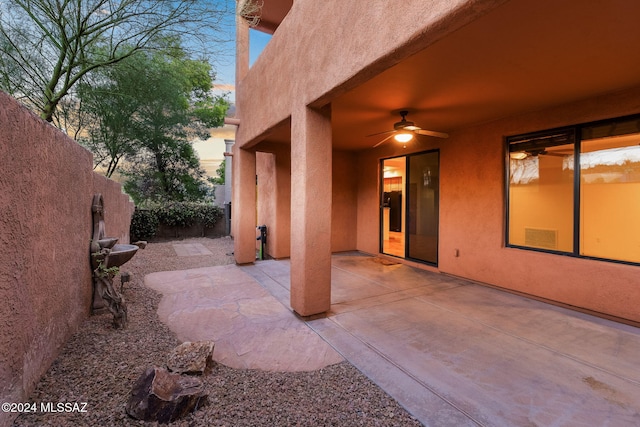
[(106, 258)]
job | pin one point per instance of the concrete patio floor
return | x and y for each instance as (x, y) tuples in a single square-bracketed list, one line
[(452, 352)]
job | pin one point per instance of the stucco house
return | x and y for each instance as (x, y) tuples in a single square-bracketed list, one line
[(536, 189)]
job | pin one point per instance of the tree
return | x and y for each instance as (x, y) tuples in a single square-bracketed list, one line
[(48, 46), (148, 108), (173, 175), (219, 180), (108, 106)]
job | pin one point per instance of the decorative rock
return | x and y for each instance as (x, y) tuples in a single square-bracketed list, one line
[(161, 396), (191, 357)]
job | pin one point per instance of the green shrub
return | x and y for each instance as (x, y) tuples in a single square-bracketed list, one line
[(145, 222)]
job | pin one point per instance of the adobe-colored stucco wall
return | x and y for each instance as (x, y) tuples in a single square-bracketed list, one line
[(46, 190), (472, 214), (345, 189), (472, 217), (118, 207), (274, 200), (267, 200)]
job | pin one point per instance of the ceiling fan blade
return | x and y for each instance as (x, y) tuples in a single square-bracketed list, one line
[(381, 133), (382, 141), (432, 133)]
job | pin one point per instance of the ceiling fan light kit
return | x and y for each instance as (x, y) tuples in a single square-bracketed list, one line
[(518, 155), (403, 136)]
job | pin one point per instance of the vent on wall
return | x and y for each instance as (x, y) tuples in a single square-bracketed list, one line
[(541, 238)]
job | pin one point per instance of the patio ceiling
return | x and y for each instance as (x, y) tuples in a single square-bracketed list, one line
[(524, 56)]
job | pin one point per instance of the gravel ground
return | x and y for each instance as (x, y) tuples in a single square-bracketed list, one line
[(99, 365)]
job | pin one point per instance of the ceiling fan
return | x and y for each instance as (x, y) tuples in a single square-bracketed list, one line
[(559, 145), (535, 152), (404, 130)]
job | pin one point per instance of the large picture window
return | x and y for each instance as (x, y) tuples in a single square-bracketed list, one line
[(576, 190)]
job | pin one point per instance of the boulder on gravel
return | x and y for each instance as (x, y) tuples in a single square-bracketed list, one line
[(191, 357), (162, 396)]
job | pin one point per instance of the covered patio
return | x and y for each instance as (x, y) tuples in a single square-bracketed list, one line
[(314, 161), (450, 351)]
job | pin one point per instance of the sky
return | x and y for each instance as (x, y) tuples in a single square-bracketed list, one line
[(211, 151), (225, 72), (225, 66)]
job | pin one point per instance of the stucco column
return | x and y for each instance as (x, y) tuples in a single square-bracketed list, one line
[(228, 169), (282, 243), (243, 209), (311, 211)]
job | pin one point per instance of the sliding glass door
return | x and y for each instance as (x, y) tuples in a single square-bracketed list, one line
[(410, 206), (423, 202)]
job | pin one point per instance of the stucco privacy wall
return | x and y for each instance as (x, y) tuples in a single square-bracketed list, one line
[(472, 214), (46, 189), (367, 45), (118, 207)]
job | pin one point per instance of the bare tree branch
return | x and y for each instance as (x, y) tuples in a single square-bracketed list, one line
[(47, 46)]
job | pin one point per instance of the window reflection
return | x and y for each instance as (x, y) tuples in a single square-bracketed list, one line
[(541, 193), (610, 196), (543, 186)]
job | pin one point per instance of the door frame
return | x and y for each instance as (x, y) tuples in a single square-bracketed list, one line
[(406, 207)]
